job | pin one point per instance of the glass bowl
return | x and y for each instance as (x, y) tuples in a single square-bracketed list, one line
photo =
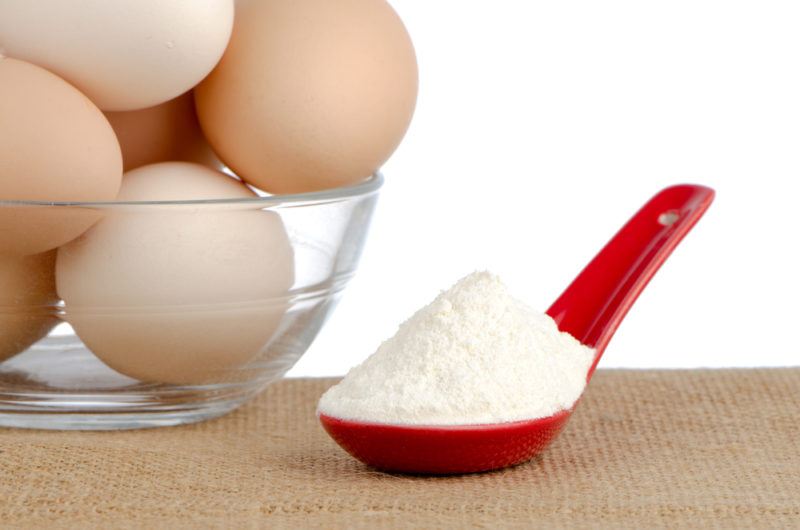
[(206, 325)]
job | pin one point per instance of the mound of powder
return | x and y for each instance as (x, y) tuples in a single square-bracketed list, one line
[(474, 355)]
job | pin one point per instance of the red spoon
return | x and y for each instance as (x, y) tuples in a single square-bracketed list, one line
[(591, 309)]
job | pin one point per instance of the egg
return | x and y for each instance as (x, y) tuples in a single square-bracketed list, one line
[(55, 145), (178, 294), (166, 132), (310, 94), (27, 301), (125, 54)]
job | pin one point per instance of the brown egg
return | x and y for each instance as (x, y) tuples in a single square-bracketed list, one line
[(310, 94), (178, 294), (27, 300), (55, 145), (163, 133)]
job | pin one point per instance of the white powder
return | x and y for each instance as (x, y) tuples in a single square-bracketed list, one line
[(474, 355)]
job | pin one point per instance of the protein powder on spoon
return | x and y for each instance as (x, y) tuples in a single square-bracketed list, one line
[(475, 355)]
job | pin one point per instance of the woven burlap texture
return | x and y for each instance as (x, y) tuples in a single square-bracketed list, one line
[(645, 449)]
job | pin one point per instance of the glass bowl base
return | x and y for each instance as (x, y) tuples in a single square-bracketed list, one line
[(59, 385), (92, 420)]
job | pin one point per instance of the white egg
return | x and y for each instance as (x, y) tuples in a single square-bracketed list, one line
[(123, 54), (178, 294)]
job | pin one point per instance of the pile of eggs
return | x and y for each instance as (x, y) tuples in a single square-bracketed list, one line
[(290, 96)]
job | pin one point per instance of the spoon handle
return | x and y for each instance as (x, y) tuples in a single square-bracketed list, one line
[(593, 306)]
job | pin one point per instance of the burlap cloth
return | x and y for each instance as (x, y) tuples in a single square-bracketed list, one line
[(645, 449)]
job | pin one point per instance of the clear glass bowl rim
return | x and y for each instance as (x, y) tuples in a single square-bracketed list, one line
[(361, 189)]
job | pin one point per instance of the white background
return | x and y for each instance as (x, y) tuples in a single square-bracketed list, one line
[(542, 126)]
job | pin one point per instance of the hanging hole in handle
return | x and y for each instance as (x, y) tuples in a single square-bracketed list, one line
[(669, 218)]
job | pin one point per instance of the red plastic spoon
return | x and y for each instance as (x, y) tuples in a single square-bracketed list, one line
[(591, 309)]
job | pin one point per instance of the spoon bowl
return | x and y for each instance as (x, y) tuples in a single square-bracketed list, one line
[(591, 310), (443, 450)]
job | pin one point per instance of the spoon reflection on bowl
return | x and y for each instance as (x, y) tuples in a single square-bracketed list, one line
[(591, 309)]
